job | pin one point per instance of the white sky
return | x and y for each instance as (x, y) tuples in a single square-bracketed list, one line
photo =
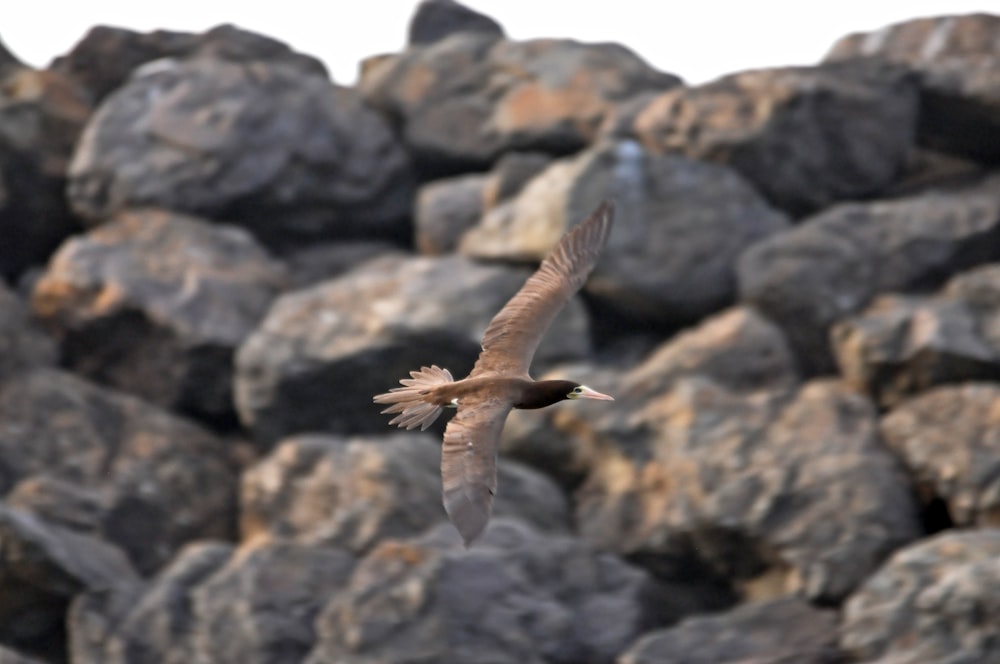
[(695, 39)]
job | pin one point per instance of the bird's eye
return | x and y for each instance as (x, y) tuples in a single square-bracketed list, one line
[(577, 390)]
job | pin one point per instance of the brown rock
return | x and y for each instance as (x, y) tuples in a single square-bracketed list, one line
[(435, 20), (465, 100), (807, 137), (934, 601), (156, 303), (280, 151), (680, 226), (957, 59), (833, 264), (22, 344), (353, 493), (771, 494), (517, 596), (777, 632), (903, 345), (106, 56), (160, 481), (321, 353), (979, 289), (948, 439)]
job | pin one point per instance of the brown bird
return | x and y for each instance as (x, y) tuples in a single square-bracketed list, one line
[(499, 381)]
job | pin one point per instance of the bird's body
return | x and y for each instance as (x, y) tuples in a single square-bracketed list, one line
[(499, 381)]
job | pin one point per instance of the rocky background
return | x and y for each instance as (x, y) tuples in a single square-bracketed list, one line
[(213, 257)]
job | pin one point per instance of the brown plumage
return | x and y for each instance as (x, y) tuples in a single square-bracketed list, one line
[(499, 381)]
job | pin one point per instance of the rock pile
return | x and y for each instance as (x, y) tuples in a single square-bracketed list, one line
[(211, 257)]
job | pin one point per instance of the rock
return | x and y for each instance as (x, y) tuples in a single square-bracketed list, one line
[(283, 152), (22, 344), (772, 494), (256, 603), (979, 289), (42, 566), (947, 438), (321, 353), (106, 56), (8, 656), (463, 101), (784, 630), (510, 174), (957, 59), (834, 263), (155, 303), (680, 225), (738, 349), (41, 116), (934, 601), (516, 596), (310, 265), (160, 481), (904, 345), (446, 209), (807, 137), (355, 492), (435, 20)]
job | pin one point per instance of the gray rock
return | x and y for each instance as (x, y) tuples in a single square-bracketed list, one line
[(356, 492), (322, 353), (285, 153), (770, 493), (783, 631), (948, 438), (159, 481), (903, 345), (436, 19), (446, 209), (807, 137), (680, 225), (934, 602), (979, 289), (517, 596), (832, 265), (22, 344), (156, 303), (463, 101)]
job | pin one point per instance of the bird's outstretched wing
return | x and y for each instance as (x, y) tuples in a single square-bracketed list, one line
[(469, 464), (515, 332)]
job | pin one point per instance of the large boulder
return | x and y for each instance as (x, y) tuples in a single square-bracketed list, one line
[(435, 20)]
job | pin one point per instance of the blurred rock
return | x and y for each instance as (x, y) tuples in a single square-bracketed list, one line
[(277, 150), (933, 602), (833, 264), (106, 56), (779, 632), (517, 596), (155, 304), (948, 439), (322, 353), (8, 656), (445, 210), (308, 266), (680, 225), (775, 494), (22, 344), (353, 493), (903, 345), (159, 481), (807, 137), (42, 566), (435, 20), (979, 289), (463, 101), (957, 60)]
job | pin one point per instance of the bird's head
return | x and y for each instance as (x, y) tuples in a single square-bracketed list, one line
[(584, 392)]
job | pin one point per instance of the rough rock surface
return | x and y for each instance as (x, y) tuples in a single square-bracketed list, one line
[(933, 602), (156, 303), (283, 152), (356, 336), (22, 343)]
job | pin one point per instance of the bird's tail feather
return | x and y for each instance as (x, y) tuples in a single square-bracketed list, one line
[(408, 401)]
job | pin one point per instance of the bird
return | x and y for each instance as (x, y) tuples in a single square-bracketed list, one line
[(499, 380)]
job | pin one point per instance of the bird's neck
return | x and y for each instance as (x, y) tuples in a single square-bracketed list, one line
[(542, 393)]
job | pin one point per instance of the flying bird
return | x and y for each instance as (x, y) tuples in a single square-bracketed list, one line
[(499, 381)]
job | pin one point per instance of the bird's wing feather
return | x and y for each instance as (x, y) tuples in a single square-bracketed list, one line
[(469, 464), (515, 332)]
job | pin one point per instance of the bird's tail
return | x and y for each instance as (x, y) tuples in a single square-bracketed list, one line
[(408, 401)]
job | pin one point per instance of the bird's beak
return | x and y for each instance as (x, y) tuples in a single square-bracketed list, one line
[(587, 393)]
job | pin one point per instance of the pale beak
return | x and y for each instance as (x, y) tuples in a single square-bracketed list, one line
[(587, 393)]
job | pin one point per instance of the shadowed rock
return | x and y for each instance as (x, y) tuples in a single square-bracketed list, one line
[(22, 344), (435, 20), (934, 601)]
